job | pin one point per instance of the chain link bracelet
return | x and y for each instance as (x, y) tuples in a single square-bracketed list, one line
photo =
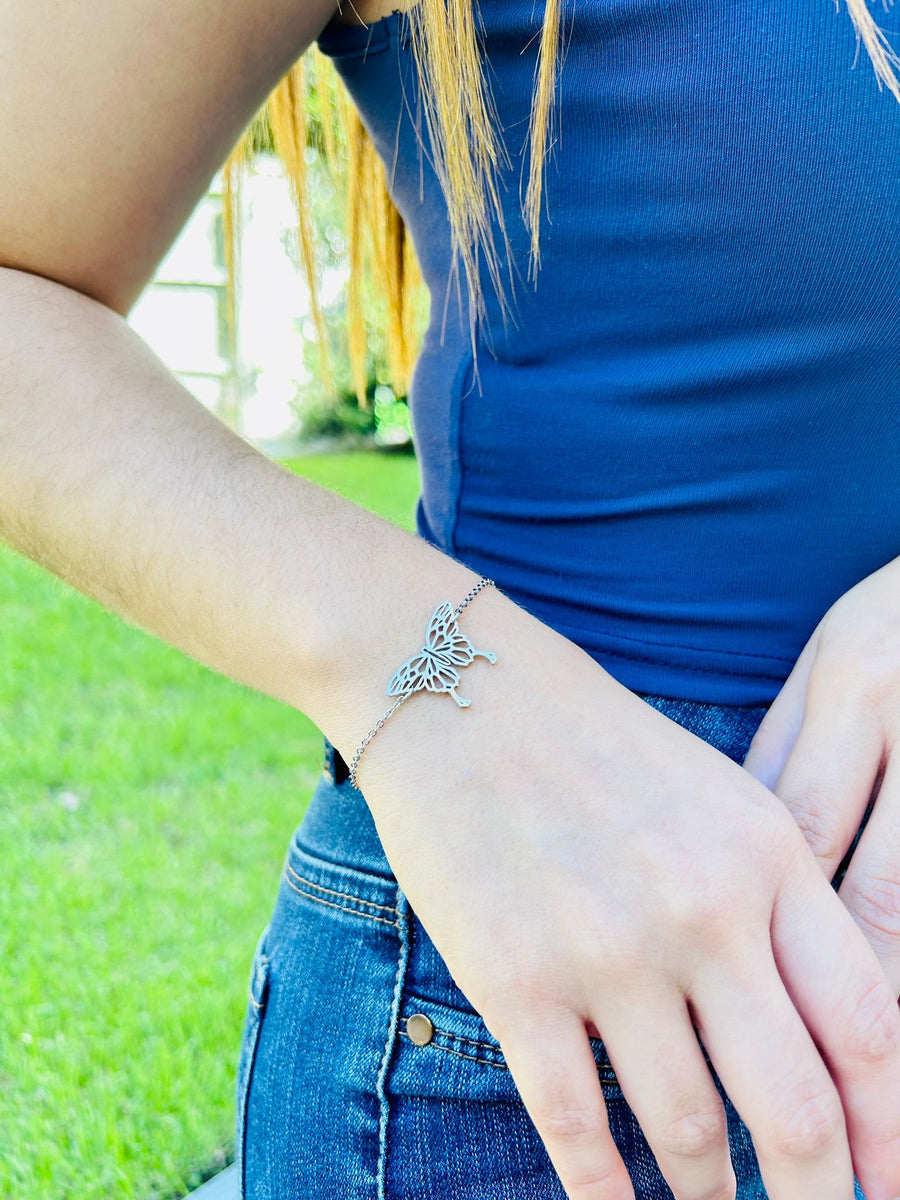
[(434, 667)]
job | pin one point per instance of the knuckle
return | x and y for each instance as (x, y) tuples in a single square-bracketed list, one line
[(703, 912), (811, 814), (875, 904), (724, 1191), (872, 1033), (810, 1129), (695, 1134), (844, 648), (881, 694), (602, 1177), (574, 1126), (711, 910), (855, 670), (885, 1143), (507, 999), (577, 1139)]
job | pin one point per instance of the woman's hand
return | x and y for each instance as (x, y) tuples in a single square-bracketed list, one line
[(586, 866), (830, 744)]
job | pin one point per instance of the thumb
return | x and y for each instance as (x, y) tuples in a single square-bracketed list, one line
[(775, 737)]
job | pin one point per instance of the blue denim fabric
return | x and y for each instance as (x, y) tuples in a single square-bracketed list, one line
[(335, 1102)]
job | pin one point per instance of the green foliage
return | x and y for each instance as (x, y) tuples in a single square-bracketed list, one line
[(314, 398), (386, 421), (145, 807), (393, 424)]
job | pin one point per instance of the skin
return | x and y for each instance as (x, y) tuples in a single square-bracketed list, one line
[(648, 890), (659, 889), (829, 747)]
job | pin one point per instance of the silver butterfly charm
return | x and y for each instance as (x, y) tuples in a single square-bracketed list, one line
[(434, 667)]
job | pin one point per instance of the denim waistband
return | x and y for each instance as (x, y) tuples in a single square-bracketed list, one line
[(339, 826)]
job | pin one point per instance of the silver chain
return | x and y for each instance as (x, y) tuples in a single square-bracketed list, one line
[(354, 762), (482, 583)]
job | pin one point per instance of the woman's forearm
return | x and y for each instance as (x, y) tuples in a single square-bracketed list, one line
[(116, 479)]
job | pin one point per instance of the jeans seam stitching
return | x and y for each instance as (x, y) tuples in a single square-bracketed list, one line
[(458, 1037), (462, 1054), (261, 966), (356, 912), (604, 1075), (392, 1034), (333, 892), (474, 1042)]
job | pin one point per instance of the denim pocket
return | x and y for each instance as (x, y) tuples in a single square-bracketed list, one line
[(321, 1011), (456, 1124), (345, 893), (461, 1057), (256, 1007)]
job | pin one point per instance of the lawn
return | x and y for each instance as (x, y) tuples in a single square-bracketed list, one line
[(145, 807)]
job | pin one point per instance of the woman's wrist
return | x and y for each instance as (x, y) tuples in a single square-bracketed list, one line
[(430, 723), (168, 518), (377, 620)]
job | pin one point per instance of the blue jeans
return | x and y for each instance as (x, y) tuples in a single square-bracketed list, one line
[(334, 1099)]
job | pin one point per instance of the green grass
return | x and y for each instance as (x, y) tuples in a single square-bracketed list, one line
[(145, 808)]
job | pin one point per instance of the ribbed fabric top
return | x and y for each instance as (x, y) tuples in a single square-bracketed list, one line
[(687, 445)]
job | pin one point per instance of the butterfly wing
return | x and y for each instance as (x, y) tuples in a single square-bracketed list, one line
[(410, 677), (440, 626), (440, 677), (449, 647), (459, 651), (423, 671), (434, 669)]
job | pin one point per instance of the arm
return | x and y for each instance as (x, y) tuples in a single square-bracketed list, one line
[(688, 876), (115, 119), (115, 478), (654, 871)]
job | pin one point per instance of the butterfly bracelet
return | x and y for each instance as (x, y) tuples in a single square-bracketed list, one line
[(434, 667)]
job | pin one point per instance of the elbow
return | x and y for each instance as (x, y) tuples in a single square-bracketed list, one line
[(20, 283), (19, 276)]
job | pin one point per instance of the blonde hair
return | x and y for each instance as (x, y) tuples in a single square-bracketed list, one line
[(311, 107)]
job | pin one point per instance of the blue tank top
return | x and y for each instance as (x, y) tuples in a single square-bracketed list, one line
[(687, 445)]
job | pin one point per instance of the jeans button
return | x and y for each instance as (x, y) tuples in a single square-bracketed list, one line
[(419, 1029)]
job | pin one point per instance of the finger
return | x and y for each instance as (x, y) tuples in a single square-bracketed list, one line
[(553, 1067), (871, 887), (776, 1079), (838, 987), (830, 774), (667, 1083), (778, 730)]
